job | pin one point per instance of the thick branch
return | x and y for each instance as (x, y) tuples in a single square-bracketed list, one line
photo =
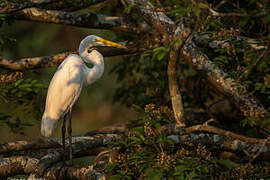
[(204, 42), (26, 165), (73, 5), (245, 101), (50, 143), (173, 86), (25, 145), (33, 63), (214, 138), (55, 60), (73, 173), (156, 19), (39, 166), (220, 140), (16, 165), (89, 20), (8, 7)]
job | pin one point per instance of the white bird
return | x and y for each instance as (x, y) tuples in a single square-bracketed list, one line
[(66, 85)]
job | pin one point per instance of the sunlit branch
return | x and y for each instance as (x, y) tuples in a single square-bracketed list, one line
[(9, 7), (205, 40), (219, 14), (35, 62), (88, 20), (174, 89), (55, 60)]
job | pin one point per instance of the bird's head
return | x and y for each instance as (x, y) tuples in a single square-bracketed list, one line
[(93, 42)]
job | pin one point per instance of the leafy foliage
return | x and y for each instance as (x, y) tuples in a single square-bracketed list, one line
[(15, 90), (237, 56), (147, 153), (23, 94)]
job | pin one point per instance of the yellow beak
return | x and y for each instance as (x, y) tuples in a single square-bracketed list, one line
[(108, 43)]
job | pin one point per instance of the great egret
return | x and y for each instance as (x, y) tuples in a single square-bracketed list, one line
[(67, 83)]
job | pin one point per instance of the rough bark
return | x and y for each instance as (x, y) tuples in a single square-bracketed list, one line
[(9, 7), (205, 41), (174, 90), (246, 102), (25, 145), (25, 165), (55, 60), (35, 62), (88, 20), (40, 163)]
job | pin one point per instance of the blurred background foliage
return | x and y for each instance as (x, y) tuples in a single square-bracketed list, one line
[(140, 83)]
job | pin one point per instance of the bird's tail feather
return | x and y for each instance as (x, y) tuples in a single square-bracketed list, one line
[(48, 125)]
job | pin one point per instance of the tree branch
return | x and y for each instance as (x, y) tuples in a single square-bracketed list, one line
[(39, 163), (89, 20), (25, 145), (219, 14), (35, 62), (9, 7), (173, 86), (204, 41), (73, 5), (55, 60), (221, 140), (158, 20), (245, 101)]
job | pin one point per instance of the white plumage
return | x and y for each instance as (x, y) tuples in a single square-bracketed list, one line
[(68, 81), (64, 90)]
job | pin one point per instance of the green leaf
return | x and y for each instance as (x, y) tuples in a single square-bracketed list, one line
[(18, 82), (138, 140), (128, 9), (159, 52), (227, 163), (203, 5)]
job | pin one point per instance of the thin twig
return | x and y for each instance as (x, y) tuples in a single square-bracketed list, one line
[(249, 68), (220, 4), (260, 150)]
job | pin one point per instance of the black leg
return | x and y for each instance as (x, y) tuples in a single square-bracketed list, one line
[(63, 139), (70, 137)]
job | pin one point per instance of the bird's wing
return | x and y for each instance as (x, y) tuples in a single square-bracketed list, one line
[(64, 90)]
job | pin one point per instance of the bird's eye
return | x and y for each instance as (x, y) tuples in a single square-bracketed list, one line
[(91, 49)]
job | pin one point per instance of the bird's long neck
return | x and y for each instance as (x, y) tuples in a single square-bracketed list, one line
[(93, 74)]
